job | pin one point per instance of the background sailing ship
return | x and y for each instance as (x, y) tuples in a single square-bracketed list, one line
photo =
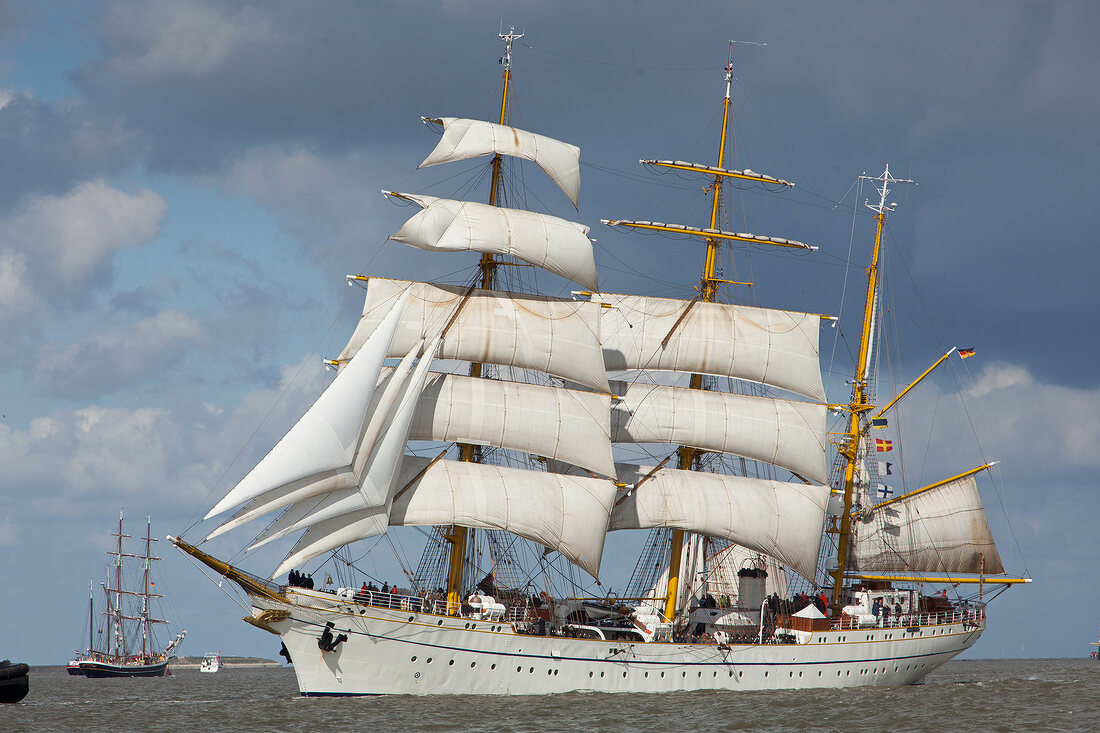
[(703, 421), (129, 647)]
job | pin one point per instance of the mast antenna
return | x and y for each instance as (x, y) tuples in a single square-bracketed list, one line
[(882, 185), (508, 38)]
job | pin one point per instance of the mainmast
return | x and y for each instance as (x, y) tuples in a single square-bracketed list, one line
[(708, 288), (859, 406), (459, 536)]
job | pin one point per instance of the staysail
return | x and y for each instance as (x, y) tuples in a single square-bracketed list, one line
[(564, 513)]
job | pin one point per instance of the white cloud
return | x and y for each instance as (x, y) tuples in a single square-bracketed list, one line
[(15, 293), (116, 358), (77, 462), (76, 234), (174, 38)]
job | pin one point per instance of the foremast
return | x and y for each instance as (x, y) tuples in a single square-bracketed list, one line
[(859, 406), (458, 535)]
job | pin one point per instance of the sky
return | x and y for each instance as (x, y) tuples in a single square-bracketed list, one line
[(187, 183)]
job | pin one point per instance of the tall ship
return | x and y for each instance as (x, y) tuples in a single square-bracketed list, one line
[(517, 432), (127, 646)]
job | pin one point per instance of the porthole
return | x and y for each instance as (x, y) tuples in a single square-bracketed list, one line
[(413, 659), (731, 673), (439, 622), (531, 671), (647, 675), (799, 674), (662, 675), (549, 672), (467, 625), (792, 674), (601, 674), (429, 660), (473, 664), (492, 666), (590, 674), (740, 675), (410, 618), (716, 674), (819, 673), (765, 674), (624, 675), (451, 663), (519, 669), (473, 626)]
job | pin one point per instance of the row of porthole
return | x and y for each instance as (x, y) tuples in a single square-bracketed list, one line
[(554, 672)]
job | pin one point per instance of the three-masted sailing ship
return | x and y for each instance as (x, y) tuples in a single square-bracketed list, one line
[(129, 648), (520, 462)]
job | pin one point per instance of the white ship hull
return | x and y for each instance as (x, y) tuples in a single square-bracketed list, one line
[(391, 651)]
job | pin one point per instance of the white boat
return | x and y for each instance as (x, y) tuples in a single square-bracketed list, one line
[(211, 662), (756, 574)]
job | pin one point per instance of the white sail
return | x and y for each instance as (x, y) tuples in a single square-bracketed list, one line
[(377, 483), (780, 519), (565, 424), (773, 347), (463, 139), (559, 337), (390, 387), (781, 432), (327, 436), (556, 245), (941, 530), (292, 493), (564, 513)]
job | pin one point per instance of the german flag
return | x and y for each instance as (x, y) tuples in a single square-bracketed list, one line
[(965, 353), (883, 445)]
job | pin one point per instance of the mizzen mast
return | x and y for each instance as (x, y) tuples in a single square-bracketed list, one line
[(459, 536), (859, 407)]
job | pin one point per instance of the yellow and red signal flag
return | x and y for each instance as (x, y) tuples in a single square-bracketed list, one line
[(883, 445)]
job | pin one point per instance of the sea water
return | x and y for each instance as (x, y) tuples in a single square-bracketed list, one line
[(979, 695)]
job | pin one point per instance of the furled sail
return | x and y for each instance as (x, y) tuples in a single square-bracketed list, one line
[(938, 530), (559, 337), (556, 245), (784, 433), (328, 435), (773, 347), (565, 424), (564, 513), (780, 519), (463, 139)]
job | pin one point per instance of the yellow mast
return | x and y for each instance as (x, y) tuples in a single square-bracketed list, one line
[(459, 536), (708, 287), (859, 406)]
